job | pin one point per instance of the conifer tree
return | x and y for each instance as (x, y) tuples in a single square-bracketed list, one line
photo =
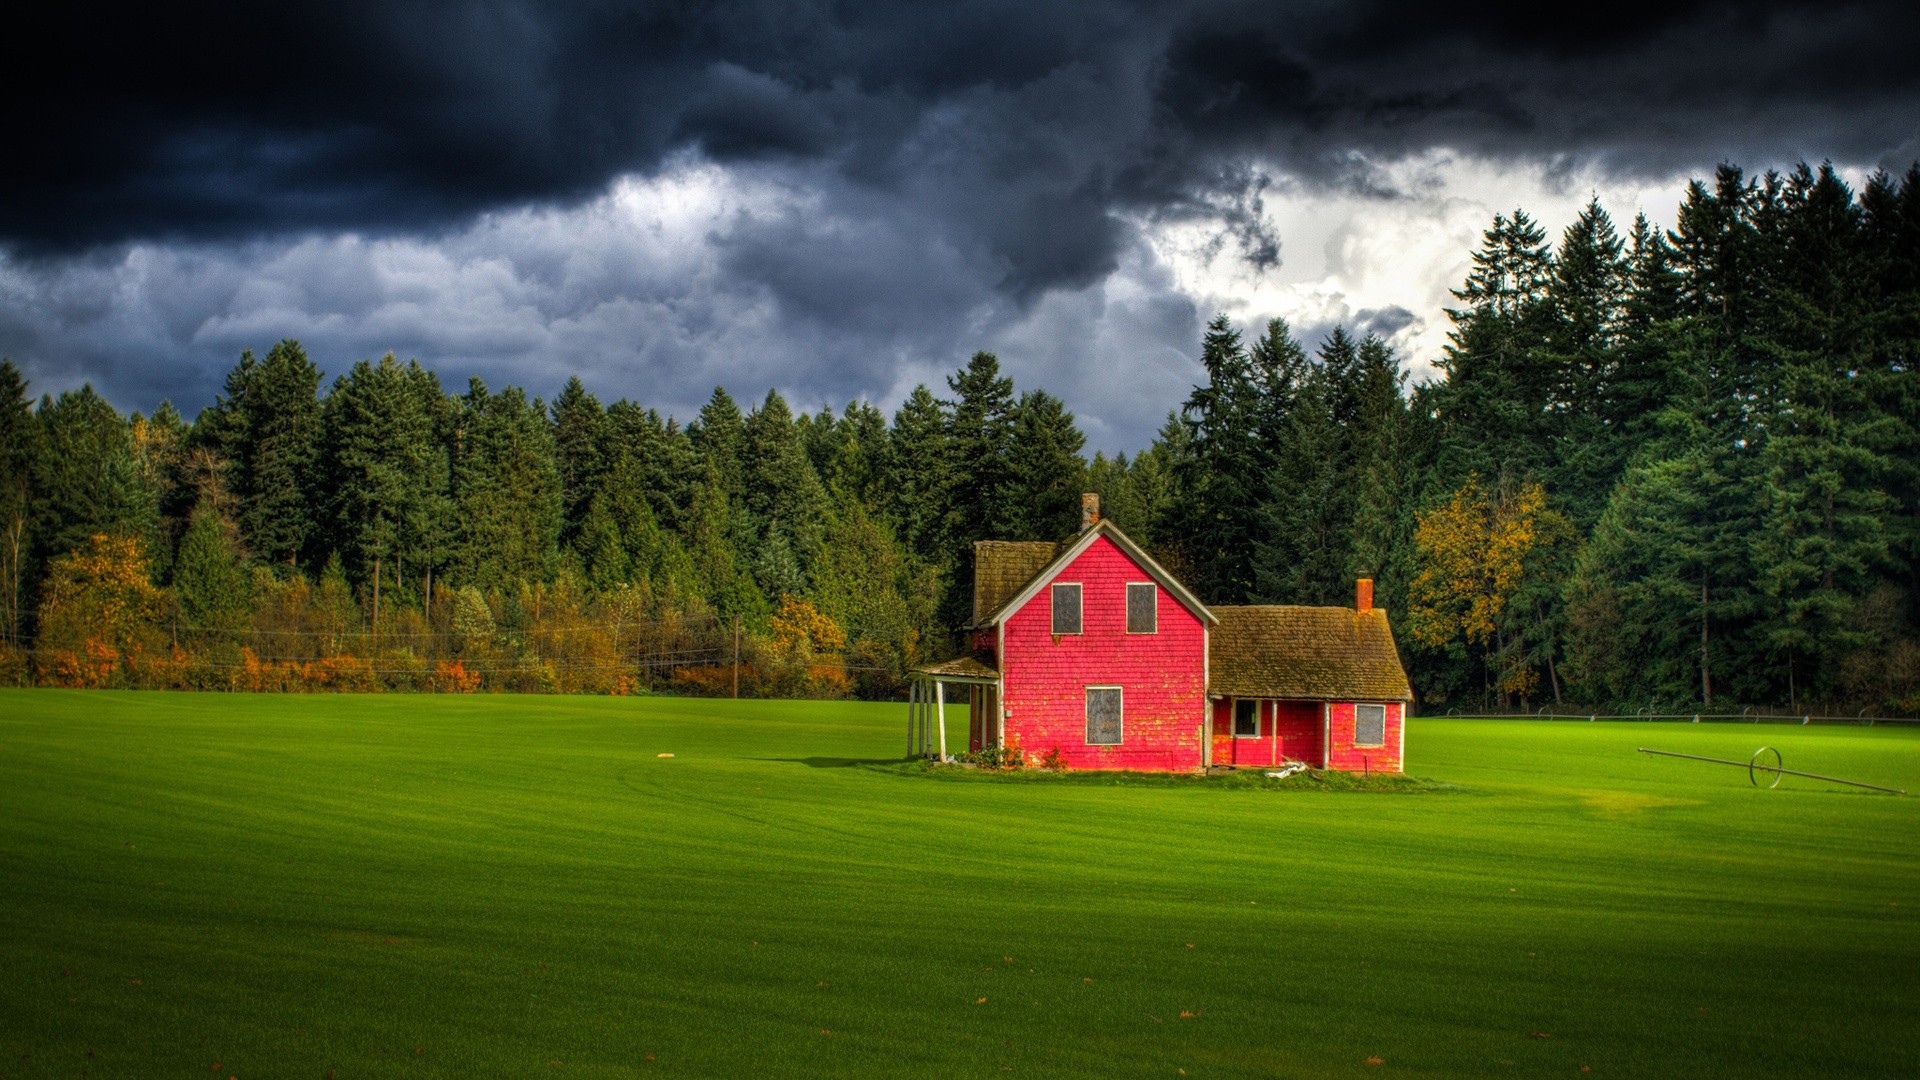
[(209, 575), (386, 472), (1220, 479), (1044, 471), (580, 452), (785, 501), (979, 436), (507, 488), (1824, 537), (921, 470), (88, 478), (19, 448), (719, 434), (272, 450)]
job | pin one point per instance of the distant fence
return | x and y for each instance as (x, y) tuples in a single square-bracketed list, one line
[(1745, 716)]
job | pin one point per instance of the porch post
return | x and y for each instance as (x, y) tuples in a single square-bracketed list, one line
[(1000, 719), (940, 714), (913, 693)]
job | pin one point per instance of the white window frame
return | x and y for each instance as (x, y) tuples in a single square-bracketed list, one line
[(1080, 608), (1132, 585), (1088, 730), (1356, 724), (1234, 724)]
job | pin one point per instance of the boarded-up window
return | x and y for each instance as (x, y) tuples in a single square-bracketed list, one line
[(1066, 609), (1369, 725), (1246, 719), (1143, 608), (1103, 715)]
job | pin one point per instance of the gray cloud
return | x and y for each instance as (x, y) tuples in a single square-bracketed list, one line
[(887, 186)]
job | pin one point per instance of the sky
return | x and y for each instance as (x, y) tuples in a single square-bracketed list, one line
[(843, 200)]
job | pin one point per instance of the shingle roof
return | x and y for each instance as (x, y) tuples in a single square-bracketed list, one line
[(1001, 567), (976, 666), (1310, 653)]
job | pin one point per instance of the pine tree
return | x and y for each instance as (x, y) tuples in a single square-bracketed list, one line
[(385, 468), (507, 488), (922, 471), (1303, 532), (1045, 474), (1383, 477), (1586, 298), (1500, 386), (784, 500), (580, 453), (717, 576), (19, 450), (209, 575), (719, 435), (1220, 480), (1825, 536), (273, 459), (88, 478), (979, 433)]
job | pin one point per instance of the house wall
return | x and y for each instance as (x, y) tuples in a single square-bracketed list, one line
[(1288, 729), (1162, 675), (1353, 758)]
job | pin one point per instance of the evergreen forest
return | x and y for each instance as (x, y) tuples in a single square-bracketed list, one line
[(1658, 468)]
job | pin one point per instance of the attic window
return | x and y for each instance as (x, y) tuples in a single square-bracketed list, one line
[(1103, 715), (1066, 609), (1143, 607), (1369, 725)]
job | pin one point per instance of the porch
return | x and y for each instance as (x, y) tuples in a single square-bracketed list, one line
[(1262, 732), (927, 705)]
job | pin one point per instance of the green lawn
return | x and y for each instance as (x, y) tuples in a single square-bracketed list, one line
[(507, 886)]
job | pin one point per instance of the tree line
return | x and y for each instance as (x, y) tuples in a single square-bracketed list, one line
[(1675, 467)]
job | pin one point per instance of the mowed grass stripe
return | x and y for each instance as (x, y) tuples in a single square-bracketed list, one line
[(517, 885)]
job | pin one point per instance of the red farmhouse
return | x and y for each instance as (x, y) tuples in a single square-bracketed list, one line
[(1090, 653)]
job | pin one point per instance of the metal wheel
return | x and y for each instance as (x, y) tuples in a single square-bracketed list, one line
[(1754, 768)]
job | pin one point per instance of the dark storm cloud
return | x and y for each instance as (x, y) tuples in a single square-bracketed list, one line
[(228, 118), (1639, 87)]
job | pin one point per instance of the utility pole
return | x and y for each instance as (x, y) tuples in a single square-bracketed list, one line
[(736, 656)]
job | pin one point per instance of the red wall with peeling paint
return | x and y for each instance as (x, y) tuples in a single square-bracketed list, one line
[(1345, 755), (1162, 675)]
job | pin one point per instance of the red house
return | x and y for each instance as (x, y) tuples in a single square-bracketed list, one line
[(1091, 654)]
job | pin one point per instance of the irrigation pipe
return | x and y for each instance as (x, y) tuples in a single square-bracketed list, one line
[(1754, 766)]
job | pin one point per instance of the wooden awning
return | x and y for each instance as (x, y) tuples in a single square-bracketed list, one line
[(972, 668)]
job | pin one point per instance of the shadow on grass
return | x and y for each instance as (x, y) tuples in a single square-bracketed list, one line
[(1243, 779), (835, 762)]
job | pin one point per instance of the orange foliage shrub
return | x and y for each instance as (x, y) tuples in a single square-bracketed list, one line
[(454, 678)]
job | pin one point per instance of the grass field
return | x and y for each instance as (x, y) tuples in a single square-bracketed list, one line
[(257, 886)]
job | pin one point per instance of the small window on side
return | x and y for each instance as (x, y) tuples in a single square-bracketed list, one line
[(1104, 721), (1066, 609), (1246, 718), (1369, 725), (1143, 607)]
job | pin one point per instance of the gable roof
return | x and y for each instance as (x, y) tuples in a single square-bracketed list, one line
[(1311, 653), (1066, 553), (1001, 567)]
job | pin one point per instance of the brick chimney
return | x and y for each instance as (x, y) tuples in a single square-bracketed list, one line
[(1363, 594), (1089, 510)]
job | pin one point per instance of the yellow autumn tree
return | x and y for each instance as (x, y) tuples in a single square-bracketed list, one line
[(806, 646), (1473, 550), (100, 614)]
